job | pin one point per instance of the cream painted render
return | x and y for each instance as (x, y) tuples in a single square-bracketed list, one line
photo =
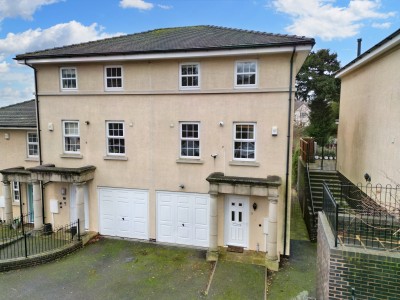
[(151, 107), (15, 153), (369, 127)]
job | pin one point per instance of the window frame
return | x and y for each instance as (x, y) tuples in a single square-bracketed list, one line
[(108, 137), (181, 76), (71, 135), (62, 79), (181, 139), (106, 87), (28, 143), (246, 73), (254, 140), (16, 188)]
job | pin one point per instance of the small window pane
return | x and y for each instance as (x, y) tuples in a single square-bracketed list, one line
[(246, 73), (71, 137), (190, 142), (233, 216), (68, 78), (244, 142), (114, 77), (189, 75), (240, 216)]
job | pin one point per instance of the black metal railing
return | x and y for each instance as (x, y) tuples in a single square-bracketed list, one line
[(306, 201), (367, 216), (331, 209), (18, 239)]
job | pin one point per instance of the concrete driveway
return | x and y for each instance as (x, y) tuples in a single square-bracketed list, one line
[(121, 269)]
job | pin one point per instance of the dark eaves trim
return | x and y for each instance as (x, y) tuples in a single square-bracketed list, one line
[(28, 56)]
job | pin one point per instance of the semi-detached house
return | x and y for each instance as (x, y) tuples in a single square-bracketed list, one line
[(177, 135)]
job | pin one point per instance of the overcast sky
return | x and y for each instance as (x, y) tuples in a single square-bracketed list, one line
[(29, 25)]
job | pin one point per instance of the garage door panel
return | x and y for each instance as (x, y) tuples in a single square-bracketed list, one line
[(123, 212), (186, 216), (201, 216), (201, 235)]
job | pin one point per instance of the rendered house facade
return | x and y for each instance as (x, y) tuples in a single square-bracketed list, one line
[(177, 135), (369, 130), (301, 114), (19, 146)]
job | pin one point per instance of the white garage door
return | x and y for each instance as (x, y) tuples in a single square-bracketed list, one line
[(124, 212), (183, 218)]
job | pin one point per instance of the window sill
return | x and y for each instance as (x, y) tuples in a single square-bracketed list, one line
[(110, 157), (15, 203), (189, 161), (32, 159), (67, 155), (244, 163)]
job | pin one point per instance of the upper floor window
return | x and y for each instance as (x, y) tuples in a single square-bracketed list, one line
[(72, 140), (32, 144), (244, 141), (190, 140), (113, 78), (115, 138), (16, 191), (68, 79), (246, 74), (189, 75)]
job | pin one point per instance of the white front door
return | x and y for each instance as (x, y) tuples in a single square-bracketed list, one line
[(236, 220), (73, 213)]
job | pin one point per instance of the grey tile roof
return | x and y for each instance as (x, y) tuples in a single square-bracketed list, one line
[(21, 115), (191, 38)]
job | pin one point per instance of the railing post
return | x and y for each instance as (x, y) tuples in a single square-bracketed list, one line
[(79, 231), (336, 224)]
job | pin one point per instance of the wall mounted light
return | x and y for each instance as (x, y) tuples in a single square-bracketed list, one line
[(87, 122), (274, 130), (6, 136), (221, 123), (367, 177), (182, 186), (254, 206)]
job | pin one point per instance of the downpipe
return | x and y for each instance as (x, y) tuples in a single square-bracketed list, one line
[(288, 151)]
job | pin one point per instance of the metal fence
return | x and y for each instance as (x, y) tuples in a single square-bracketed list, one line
[(18, 239), (366, 216), (318, 157), (306, 201)]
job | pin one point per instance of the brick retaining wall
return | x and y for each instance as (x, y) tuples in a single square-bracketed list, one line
[(374, 274), (34, 260)]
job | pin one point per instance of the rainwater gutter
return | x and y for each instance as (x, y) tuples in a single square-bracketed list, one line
[(288, 151)]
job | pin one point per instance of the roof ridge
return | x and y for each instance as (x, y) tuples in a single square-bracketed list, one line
[(17, 104), (177, 38)]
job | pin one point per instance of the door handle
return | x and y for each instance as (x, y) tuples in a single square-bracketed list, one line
[(183, 225), (123, 219)]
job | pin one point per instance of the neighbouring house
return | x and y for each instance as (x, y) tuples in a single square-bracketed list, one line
[(176, 135), (358, 231), (19, 146), (369, 129), (301, 114)]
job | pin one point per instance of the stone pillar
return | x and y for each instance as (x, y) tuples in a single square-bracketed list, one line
[(80, 206), (8, 213), (272, 248), (212, 254), (37, 206)]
